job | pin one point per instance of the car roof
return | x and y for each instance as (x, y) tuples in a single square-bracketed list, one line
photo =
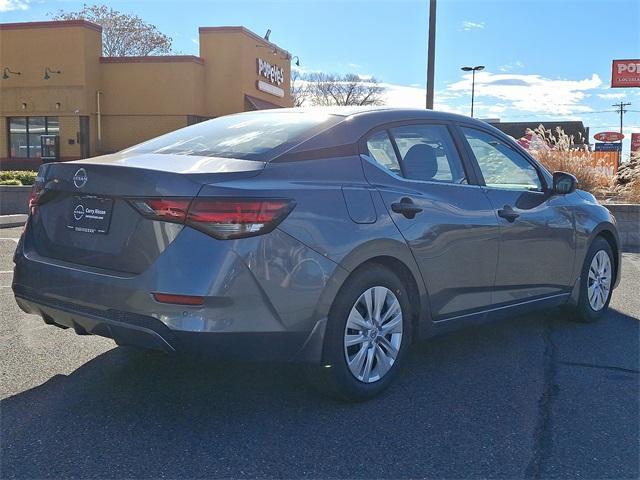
[(372, 111), (359, 121)]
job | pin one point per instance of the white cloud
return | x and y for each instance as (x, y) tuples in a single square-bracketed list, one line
[(611, 95), (467, 25), (502, 95), (511, 66), (9, 5), (531, 93), (195, 41), (403, 96), (365, 77)]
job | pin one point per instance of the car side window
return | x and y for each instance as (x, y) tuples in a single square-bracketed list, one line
[(428, 153), (501, 166), (381, 150)]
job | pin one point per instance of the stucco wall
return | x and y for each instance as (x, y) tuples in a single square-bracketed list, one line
[(141, 97)]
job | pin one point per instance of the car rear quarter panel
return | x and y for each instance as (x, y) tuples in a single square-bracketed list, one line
[(322, 221)]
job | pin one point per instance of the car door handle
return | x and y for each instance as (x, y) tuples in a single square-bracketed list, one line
[(508, 213), (406, 207)]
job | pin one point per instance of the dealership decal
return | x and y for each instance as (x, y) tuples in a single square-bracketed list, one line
[(80, 178)]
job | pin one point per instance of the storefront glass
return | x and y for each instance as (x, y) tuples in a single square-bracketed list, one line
[(24, 135)]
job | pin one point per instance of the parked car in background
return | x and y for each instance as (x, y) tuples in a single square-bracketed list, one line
[(334, 238)]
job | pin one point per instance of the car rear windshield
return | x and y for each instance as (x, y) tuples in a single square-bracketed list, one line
[(249, 136)]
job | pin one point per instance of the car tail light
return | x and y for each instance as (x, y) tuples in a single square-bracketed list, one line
[(222, 218), (167, 209), (36, 191), (191, 300)]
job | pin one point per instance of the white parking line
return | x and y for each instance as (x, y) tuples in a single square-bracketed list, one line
[(6, 271), (10, 239)]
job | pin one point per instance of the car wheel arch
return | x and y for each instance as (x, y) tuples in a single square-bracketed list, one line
[(608, 234), (395, 256)]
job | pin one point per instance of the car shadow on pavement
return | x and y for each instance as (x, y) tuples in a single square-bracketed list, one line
[(466, 405)]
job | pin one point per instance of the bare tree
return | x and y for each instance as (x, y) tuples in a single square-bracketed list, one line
[(123, 34), (298, 89), (328, 89)]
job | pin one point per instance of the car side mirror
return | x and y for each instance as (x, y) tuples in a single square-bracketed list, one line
[(564, 183)]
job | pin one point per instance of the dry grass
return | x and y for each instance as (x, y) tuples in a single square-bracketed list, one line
[(632, 195), (628, 181), (593, 175)]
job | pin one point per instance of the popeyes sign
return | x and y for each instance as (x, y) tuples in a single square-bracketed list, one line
[(625, 73)]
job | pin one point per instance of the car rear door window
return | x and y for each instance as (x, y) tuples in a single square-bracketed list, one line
[(381, 150), (428, 153), (501, 166)]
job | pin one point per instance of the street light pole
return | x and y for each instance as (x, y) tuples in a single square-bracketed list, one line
[(473, 71), (431, 54)]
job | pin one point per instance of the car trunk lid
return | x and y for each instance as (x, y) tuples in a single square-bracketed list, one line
[(85, 217)]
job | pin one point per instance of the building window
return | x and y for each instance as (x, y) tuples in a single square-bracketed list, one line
[(24, 134)]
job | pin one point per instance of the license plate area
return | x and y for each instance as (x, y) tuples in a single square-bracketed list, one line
[(90, 214)]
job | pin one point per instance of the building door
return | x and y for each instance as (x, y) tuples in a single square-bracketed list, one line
[(85, 138)]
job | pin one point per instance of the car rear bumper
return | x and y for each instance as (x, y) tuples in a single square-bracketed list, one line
[(257, 305), (150, 333)]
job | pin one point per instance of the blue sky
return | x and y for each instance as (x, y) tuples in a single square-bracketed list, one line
[(545, 59)]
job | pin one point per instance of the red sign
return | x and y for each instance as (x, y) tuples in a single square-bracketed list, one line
[(635, 142), (608, 136), (625, 73)]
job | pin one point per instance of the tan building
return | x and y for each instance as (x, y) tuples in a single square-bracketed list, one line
[(54, 81)]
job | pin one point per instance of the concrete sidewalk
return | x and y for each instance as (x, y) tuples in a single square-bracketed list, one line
[(8, 221)]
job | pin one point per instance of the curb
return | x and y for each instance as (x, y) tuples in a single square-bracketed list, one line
[(9, 221)]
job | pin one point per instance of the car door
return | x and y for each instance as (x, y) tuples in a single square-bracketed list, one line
[(448, 222), (536, 228)]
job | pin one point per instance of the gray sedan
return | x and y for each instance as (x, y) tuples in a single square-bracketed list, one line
[(333, 238)]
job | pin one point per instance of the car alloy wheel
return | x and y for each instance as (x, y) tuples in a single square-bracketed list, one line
[(373, 334), (599, 280)]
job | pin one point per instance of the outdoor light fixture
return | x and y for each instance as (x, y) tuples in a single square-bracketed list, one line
[(7, 71), (266, 35), (297, 62), (47, 71), (473, 71), (274, 50)]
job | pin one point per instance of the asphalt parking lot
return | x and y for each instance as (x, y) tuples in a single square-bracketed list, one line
[(534, 396)]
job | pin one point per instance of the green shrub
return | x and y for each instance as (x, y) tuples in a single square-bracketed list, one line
[(23, 177), (10, 182)]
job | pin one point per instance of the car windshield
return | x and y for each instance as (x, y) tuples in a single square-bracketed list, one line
[(250, 136)]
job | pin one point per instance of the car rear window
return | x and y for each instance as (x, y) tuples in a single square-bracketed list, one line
[(249, 136)]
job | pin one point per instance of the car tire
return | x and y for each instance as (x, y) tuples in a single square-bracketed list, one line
[(384, 341), (596, 284)]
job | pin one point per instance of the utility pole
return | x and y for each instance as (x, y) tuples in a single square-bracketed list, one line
[(431, 54), (620, 107)]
